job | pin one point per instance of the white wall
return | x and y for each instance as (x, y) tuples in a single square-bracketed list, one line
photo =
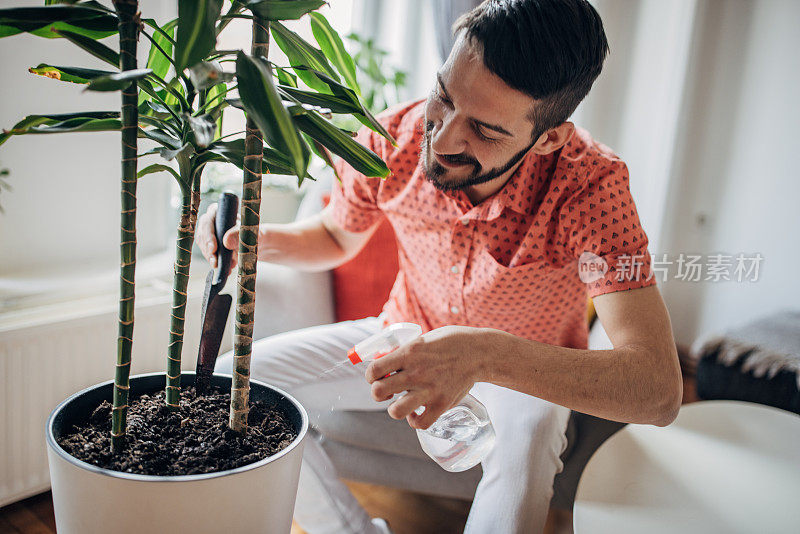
[(635, 103), (64, 210), (699, 97), (737, 182)]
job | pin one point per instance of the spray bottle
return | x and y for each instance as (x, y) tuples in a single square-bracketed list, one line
[(463, 435)]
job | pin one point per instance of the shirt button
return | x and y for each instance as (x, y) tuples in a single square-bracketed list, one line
[(465, 222), (454, 310), (454, 269)]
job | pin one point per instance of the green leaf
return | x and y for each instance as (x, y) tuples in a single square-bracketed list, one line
[(158, 167), (160, 57), (42, 21), (363, 115), (156, 122), (172, 92), (206, 74), (158, 107), (117, 81), (360, 158), (331, 102), (49, 32), (323, 154), (215, 99), (170, 154), (263, 104), (99, 50), (233, 152), (68, 74), (281, 9), (168, 35), (235, 102), (285, 77), (8, 31), (161, 137), (372, 123), (215, 103), (203, 128), (85, 121), (148, 88), (302, 54), (197, 33), (333, 48)]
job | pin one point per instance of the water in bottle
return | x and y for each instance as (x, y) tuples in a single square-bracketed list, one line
[(461, 437)]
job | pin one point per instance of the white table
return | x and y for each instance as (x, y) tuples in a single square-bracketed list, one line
[(722, 467)]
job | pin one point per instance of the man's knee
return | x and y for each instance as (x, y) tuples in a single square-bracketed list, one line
[(550, 420), (268, 356), (539, 431)]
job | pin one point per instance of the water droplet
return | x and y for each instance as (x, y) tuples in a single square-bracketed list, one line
[(333, 369)]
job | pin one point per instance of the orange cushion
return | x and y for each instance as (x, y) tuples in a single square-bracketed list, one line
[(361, 286)]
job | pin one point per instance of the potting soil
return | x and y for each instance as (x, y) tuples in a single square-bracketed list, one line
[(194, 440)]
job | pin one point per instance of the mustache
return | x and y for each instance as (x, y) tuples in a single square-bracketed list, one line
[(455, 159)]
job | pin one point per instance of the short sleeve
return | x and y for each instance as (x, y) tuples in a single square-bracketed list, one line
[(607, 239), (355, 197)]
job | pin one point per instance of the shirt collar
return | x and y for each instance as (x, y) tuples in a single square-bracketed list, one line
[(517, 194)]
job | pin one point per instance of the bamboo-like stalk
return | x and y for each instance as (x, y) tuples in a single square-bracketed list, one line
[(248, 253), (180, 282), (183, 258), (127, 10)]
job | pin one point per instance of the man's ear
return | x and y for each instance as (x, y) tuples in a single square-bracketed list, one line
[(553, 139)]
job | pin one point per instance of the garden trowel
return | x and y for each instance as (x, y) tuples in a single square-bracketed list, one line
[(216, 307)]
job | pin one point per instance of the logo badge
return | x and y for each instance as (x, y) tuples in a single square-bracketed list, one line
[(591, 267)]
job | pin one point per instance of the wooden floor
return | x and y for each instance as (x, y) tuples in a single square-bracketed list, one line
[(406, 512), (31, 516)]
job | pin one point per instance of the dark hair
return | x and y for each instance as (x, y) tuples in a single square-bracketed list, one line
[(552, 50)]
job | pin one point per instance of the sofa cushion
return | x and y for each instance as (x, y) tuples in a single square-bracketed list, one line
[(361, 286)]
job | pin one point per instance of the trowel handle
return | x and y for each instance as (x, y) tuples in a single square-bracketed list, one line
[(227, 210)]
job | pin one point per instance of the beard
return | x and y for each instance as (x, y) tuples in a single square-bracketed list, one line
[(434, 171)]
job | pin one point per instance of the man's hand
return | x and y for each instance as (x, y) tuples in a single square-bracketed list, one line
[(205, 237), (437, 370)]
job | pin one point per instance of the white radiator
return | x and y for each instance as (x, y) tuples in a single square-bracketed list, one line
[(50, 353)]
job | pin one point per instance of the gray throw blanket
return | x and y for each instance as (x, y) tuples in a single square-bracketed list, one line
[(758, 362)]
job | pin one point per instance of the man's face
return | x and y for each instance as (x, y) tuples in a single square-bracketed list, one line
[(476, 127)]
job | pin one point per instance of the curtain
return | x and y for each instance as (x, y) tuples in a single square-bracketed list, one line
[(445, 13)]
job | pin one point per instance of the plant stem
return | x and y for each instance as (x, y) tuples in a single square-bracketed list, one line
[(180, 282), (248, 253), (128, 29)]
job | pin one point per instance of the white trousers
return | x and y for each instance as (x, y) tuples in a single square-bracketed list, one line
[(517, 484)]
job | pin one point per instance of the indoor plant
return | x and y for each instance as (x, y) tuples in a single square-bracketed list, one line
[(88, 497)]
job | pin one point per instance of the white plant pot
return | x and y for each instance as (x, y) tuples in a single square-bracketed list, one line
[(254, 498)]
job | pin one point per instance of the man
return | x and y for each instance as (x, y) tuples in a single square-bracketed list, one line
[(493, 197)]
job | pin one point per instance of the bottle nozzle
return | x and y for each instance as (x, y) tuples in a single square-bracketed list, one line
[(383, 342), (353, 356)]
